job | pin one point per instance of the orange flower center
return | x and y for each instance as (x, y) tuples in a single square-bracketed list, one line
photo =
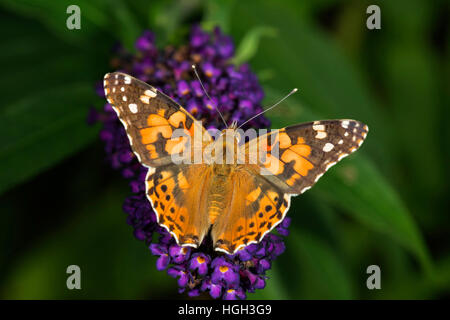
[(223, 269), (200, 259)]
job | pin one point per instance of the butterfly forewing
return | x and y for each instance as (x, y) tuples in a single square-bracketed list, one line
[(149, 117), (299, 155)]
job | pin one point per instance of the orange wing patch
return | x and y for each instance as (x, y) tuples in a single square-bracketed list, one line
[(150, 118), (255, 208), (175, 195), (151, 135), (155, 120), (299, 155)]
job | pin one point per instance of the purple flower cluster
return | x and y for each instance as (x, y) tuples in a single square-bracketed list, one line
[(237, 93)]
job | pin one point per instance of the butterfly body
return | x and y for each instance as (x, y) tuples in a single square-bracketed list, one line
[(235, 192), (219, 187)]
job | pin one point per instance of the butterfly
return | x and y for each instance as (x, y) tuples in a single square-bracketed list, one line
[(236, 202)]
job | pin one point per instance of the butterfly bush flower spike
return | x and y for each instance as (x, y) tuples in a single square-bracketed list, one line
[(236, 92)]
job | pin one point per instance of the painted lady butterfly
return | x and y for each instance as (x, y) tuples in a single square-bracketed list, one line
[(234, 201)]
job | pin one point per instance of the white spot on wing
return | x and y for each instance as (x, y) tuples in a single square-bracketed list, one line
[(127, 80), (321, 135), (345, 124), (319, 127), (328, 147), (133, 107), (145, 99), (150, 93)]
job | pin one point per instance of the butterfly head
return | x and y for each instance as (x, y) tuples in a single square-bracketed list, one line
[(231, 133), (229, 139)]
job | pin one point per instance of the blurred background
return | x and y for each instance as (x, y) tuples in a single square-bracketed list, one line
[(387, 205)]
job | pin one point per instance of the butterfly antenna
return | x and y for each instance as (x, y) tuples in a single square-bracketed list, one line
[(257, 115), (206, 93)]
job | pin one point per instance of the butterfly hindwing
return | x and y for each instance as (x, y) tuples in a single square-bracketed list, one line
[(150, 118), (178, 197), (253, 209)]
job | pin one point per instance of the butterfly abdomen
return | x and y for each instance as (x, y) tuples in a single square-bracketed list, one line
[(217, 191), (215, 206)]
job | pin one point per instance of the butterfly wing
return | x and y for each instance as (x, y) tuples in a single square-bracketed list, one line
[(254, 207), (178, 196), (296, 158), (150, 118)]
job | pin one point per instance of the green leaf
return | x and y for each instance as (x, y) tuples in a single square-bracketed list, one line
[(249, 44), (275, 288), (166, 20), (322, 272), (53, 15), (217, 13), (114, 264), (358, 187), (415, 87), (309, 269), (127, 28), (40, 130), (46, 100)]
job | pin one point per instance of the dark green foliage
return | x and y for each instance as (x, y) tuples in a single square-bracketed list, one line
[(385, 205)]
